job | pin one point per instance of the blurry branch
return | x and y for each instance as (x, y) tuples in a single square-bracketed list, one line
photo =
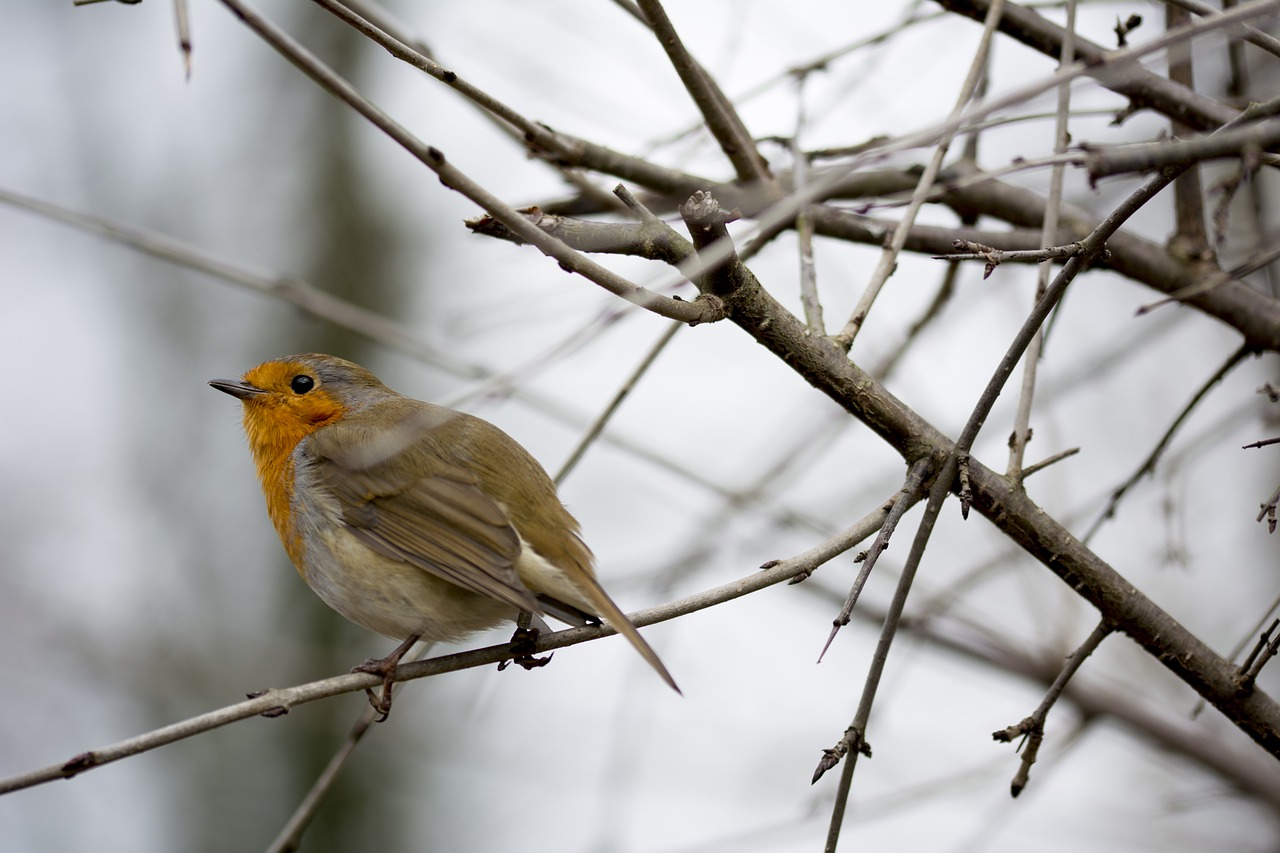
[(1144, 89), (1190, 239), (1247, 142), (1265, 649), (277, 702), (1032, 727), (702, 311), (183, 23), (598, 425), (290, 836), (888, 261), (1149, 464), (823, 62), (294, 291), (809, 298), (1250, 34), (1021, 434), (1215, 280), (722, 119), (932, 312), (715, 525)]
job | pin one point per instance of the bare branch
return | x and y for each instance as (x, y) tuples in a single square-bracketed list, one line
[(1253, 35), (1264, 651), (1246, 141), (1144, 88), (570, 260), (1021, 434), (889, 256), (1148, 465), (722, 119), (1032, 727), (597, 426), (912, 491)]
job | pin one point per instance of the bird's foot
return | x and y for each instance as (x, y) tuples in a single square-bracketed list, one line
[(386, 668), (524, 642)]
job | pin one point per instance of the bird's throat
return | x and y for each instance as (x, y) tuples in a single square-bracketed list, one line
[(273, 447)]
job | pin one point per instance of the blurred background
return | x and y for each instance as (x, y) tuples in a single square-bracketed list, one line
[(141, 582)]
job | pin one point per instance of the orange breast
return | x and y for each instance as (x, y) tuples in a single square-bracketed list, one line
[(274, 433)]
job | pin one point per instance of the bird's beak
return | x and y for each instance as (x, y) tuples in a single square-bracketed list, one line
[(236, 388)]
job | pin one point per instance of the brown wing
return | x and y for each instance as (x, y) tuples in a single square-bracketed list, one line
[(403, 500)]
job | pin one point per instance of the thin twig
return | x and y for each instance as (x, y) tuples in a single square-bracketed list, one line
[(809, 298), (1264, 651), (1102, 161), (854, 742), (1253, 35), (1033, 726), (946, 289), (294, 291), (598, 425), (1045, 463), (911, 493), (1021, 434), (183, 23), (290, 836), (722, 119), (971, 251), (889, 256), (1148, 465), (1268, 510)]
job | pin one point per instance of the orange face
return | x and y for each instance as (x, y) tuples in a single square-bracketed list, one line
[(292, 407)]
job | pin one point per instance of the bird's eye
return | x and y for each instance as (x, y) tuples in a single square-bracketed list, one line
[(302, 383)]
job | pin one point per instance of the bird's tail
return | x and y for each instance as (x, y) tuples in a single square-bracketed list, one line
[(613, 616)]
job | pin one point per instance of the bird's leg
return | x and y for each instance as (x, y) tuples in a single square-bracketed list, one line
[(524, 642), (385, 667)]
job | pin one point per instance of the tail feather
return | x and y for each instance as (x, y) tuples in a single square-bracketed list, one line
[(613, 616)]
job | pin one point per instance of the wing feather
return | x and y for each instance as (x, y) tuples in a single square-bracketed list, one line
[(406, 503)]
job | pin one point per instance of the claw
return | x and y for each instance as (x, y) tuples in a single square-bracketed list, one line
[(386, 668)]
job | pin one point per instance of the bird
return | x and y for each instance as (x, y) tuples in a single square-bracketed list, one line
[(413, 520)]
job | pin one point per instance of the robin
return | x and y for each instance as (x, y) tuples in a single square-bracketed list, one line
[(411, 519)]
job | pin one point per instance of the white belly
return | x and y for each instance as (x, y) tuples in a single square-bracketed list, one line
[(393, 598)]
